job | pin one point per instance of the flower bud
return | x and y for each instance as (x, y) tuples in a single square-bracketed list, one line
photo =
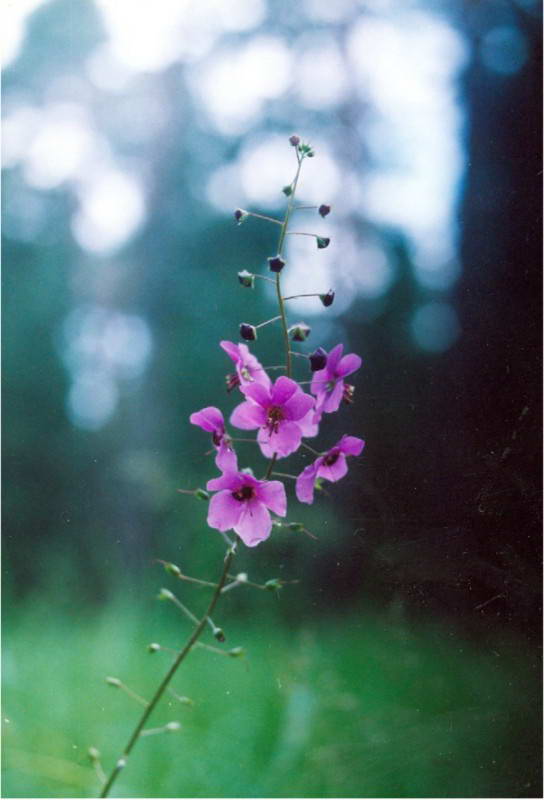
[(114, 682), (306, 150), (248, 332), (153, 647), (328, 298), (240, 215), (172, 726), (296, 527), (246, 279), (287, 190), (324, 209), (273, 584), (276, 264), (201, 494), (165, 594), (172, 569), (93, 753), (241, 577), (236, 652), (318, 359), (299, 332), (219, 634), (322, 242), (294, 140)]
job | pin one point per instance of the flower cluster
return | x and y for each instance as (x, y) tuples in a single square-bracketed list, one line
[(281, 413)]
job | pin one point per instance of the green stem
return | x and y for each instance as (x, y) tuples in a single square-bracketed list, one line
[(168, 677)]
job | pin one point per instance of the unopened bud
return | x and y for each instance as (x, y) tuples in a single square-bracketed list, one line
[(277, 523), (276, 264), (246, 279), (299, 332), (165, 594), (172, 569), (322, 242), (201, 494), (240, 215), (93, 753), (328, 298), (219, 634), (318, 359), (172, 726), (306, 150), (294, 140), (297, 527), (236, 652), (324, 210), (153, 647), (114, 682), (349, 392), (241, 577), (273, 584), (121, 763), (248, 332), (287, 190)]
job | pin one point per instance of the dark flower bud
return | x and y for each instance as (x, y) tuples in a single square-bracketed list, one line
[(240, 215), (324, 210), (348, 393), (299, 332), (246, 279), (219, 634), (310, 153), (287, 190), (318, 359), (248, 332), (322, 242), (232, 381), (328, 298), (294, 140), (276, 264)]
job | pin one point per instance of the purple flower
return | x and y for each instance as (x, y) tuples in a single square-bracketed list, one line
[(211, 420), (328, 383), (242, 504), (331, 466), (282, 412), (248, 369)]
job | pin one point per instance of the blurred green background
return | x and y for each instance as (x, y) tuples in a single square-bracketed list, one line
[(406, 661)]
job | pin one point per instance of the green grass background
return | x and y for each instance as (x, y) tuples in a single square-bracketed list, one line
[(362, 704)]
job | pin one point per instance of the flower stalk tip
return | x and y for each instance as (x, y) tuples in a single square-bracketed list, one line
[(248, 332), (299, 332), (246, 279)]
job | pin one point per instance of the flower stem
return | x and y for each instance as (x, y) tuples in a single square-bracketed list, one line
[(168, 677)]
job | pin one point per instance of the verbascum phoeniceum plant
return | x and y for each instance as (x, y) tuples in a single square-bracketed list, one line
[(242, 507)]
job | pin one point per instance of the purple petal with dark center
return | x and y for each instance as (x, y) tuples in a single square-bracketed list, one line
[(229, 480), (333, 472), (224, 511)]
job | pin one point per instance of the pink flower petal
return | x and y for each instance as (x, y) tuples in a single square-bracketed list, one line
[(254, 524), (351, 445), (272, 494), (333, 472), (304, 486), (248, 416), (309, 425), (258, 393), (348, 364), (283, 389), (231, 350), (319, 382), (333, 399), (226, 459), (333, 358), (224, 511), (229, 480), (209, 419), (297, 406)]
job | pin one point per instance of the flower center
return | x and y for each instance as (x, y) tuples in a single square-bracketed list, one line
[(275, 416), (244, 493), (217, 437), (329, 386), (331, 459)]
